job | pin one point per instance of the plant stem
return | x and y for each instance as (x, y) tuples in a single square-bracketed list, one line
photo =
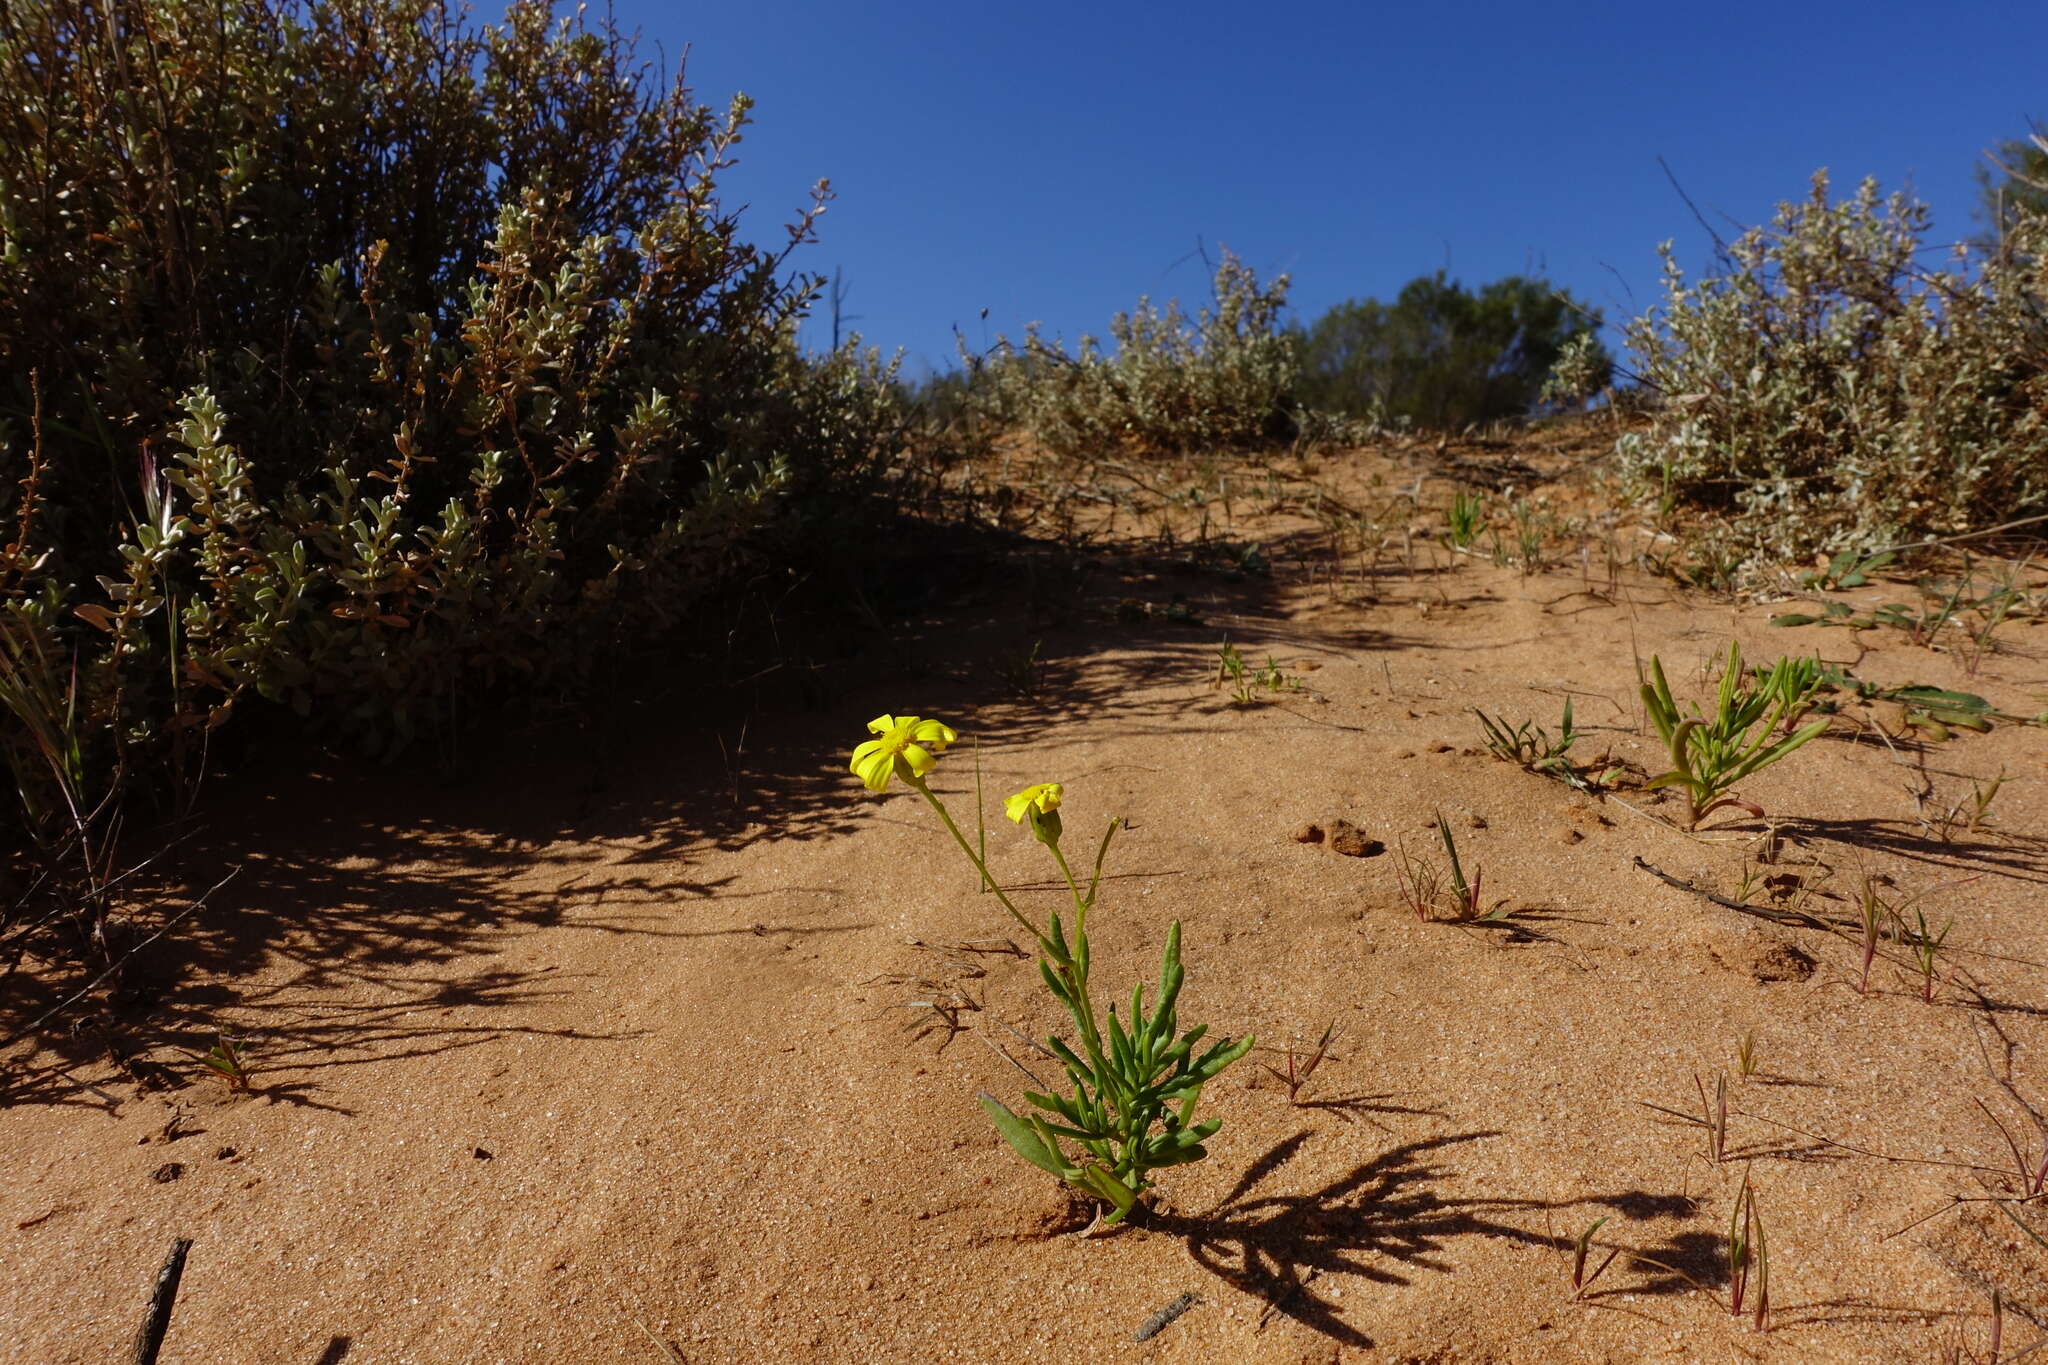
[(987, 880)]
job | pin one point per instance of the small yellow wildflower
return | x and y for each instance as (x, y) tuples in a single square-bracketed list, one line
[(901, 750), (1042, 799)]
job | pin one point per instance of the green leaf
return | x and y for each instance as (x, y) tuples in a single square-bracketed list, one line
[(1023, 1139), (1795, 618)]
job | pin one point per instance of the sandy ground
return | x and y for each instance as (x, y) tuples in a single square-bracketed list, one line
[(618, 1061)]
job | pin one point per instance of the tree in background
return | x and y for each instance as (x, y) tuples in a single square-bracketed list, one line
[(1442, 356)]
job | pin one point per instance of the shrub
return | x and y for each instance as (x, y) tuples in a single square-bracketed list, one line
[(1169, 387), (1826, 392), (362, 358)]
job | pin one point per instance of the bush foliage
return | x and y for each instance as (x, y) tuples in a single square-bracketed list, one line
[(358, 356), (1170, 385), (1828, 391)]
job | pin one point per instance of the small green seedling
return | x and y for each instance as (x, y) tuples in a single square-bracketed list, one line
[(1715, 1116), (1246, 682), (1230, 668), (1710, 755), (1925, 946), (1022, 671), (1849, 569), (1972, 812), (229, 1060), (1466, 893), (1581, 1250), (1530, 746), (1712, 1116), (1463, 519)]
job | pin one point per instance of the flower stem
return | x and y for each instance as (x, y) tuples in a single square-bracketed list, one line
[(980, 866)]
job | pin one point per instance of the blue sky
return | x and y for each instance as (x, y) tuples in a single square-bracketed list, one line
[(1051, 162)]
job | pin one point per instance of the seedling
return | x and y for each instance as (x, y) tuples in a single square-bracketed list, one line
[(1530, 746), (1872, 913), (1297, 1073), (1230, 668), (1712, 1116), (1581, 1281), (1022, 671), (1745, 1056), (229, 1060), (1710, 755), (1752, 877), (1716, 1116), (1925, 946), (1427, 888), (1749, 1259), (1849, 569), (1245, 682), (1971, 813), (1421, 882), (1463, 518)]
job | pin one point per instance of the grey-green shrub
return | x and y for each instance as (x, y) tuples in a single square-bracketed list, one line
[(365, 358), (1828, 391), (1169, 385)]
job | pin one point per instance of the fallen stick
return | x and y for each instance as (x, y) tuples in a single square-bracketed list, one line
[(1776, 916), (150, 1338)]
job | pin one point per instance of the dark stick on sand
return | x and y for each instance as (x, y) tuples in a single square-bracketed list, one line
[(150, 1338)]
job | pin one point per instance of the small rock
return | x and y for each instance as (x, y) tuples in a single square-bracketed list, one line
[(481, 1154), (166, 1173), (1439, 748), (1567, 835), (1353, 842), (1475, 819), (225, 1154), (1308, 834)]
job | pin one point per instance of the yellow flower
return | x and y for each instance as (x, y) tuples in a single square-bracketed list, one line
[(1042, 799), (900, 750)]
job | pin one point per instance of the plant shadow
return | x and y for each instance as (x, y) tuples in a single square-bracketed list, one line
[(1383, 1221)]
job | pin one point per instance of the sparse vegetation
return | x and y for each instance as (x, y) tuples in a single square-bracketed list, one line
[(1828, 393), (373, 376), (1168, 385)]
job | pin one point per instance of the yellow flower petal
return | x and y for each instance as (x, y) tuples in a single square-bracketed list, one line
[(935, 733), (918, 760), (881, 725), (1040, 799)]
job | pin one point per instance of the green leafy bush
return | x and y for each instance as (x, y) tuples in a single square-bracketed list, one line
[(1827, 392), (1169, 386), (363, 358)]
